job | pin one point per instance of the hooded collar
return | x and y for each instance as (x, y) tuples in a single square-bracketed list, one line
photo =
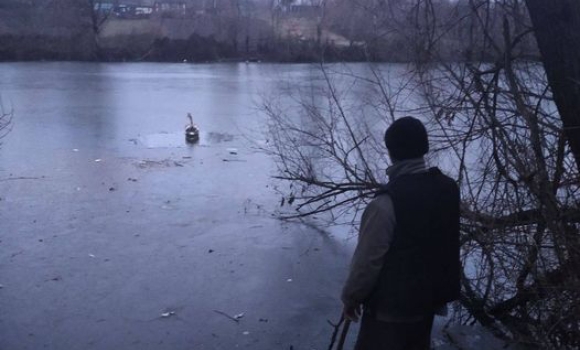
[(407, 166)]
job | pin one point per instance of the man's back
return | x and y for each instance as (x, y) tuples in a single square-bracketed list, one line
[(421, 268)]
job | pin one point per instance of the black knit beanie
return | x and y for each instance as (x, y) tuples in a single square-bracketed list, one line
[(406, 138)]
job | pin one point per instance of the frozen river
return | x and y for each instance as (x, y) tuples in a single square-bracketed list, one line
[(116, 234), (109, 220)]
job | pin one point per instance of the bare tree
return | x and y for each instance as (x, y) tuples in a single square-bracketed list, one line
[(494, 125), (331, 156), (99, 12), (520, 186)]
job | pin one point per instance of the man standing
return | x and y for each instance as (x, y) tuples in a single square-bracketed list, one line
[(406, 266)]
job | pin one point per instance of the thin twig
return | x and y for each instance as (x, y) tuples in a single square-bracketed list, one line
[(226, 315), (21, 178)]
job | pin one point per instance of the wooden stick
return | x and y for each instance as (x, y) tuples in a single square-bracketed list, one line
[(336, 329), (343, 335), (226, 315)]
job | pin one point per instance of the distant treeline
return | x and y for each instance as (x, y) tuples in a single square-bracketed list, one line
[(342, 31)]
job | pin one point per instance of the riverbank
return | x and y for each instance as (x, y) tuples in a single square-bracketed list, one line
[(201, 38), (194, 49)]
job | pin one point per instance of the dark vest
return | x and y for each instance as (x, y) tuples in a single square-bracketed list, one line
[(421, 271)]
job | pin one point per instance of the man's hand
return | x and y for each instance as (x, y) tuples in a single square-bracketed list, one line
[(351, 313)]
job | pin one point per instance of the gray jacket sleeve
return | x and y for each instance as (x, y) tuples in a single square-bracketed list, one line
[(375, 236)]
